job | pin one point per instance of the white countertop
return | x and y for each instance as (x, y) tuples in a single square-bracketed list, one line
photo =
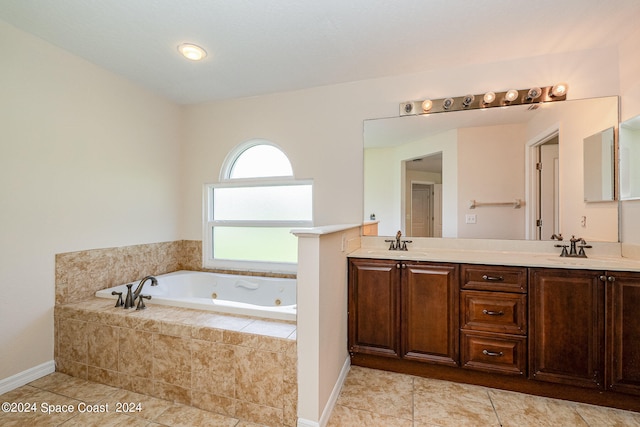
[(537, 254)]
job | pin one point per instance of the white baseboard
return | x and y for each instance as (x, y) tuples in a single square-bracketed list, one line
[(333, 398), (25, 377)]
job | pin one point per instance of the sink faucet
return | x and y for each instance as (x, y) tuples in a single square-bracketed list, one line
[(131, 297), (573, 252), (398, 244)]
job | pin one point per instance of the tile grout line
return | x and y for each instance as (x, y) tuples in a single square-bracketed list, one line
[(495, 411)]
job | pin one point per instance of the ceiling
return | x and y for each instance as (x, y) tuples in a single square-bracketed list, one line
[(257, 46)]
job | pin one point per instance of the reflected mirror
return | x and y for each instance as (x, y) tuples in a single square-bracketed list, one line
[(500, 173), (598, 167), (630, 159)]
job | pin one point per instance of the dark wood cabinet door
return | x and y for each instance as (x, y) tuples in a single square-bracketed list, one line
[(430, 313), (374, 307), (623, 322), (566, 327)]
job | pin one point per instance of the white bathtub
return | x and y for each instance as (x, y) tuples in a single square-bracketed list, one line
[(267, 297)]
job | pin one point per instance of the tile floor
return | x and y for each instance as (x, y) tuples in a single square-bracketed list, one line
[(377, 398), (369, 398), (55, 390)]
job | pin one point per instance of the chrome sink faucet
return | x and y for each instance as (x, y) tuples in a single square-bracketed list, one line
[(398, 244)]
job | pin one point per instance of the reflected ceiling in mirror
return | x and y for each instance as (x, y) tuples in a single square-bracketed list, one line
[(489, 156)]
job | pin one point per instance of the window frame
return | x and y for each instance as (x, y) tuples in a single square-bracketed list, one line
[(209, 223)]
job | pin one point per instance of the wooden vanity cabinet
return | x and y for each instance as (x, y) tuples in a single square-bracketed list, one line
[(566, 326), (623, 331), (429, 312), (404, 309), (493, 319), (564, 333), (374, 307)]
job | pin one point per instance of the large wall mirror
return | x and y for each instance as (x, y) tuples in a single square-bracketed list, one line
[(501, 173), (630, 159)]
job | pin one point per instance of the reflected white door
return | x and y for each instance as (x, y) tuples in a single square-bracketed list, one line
[(421, 210), (437, 210), (549, 188)]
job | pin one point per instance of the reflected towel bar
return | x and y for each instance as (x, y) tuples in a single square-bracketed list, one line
[(517, 204)]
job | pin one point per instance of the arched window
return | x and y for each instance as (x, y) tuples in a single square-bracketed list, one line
[(250, 213)]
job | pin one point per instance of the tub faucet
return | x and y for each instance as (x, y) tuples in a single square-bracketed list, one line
[(130, 300)]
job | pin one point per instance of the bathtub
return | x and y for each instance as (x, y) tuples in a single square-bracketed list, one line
[(257, 296)]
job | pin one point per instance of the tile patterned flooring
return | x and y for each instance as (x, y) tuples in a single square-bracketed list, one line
[(376, 398), (369, 398), (60, 389)]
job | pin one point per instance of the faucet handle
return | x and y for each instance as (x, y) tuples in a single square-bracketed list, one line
[(392, 246), (581, 252), (404, 244), (141, 299), (564, 250), (119, 303)]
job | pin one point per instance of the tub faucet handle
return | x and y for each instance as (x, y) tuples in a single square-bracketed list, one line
[(119, 303), (141, 299)]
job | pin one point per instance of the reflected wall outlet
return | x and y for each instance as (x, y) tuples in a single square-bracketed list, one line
[(470, 219), (583, 221)]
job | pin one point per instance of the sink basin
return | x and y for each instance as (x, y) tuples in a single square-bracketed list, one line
[(398, 254), (568, 261)]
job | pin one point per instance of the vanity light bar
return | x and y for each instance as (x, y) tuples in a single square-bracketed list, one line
[(534, 95)]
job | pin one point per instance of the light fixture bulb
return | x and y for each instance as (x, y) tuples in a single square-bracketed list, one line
[(427, 104), (511, 95), (447, 103), (489, 97), (534, 93), (468, 99), (192, 51), (560, 89)]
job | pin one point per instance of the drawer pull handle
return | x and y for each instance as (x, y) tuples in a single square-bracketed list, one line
[(493, 313), (492, 353), (493, 278)]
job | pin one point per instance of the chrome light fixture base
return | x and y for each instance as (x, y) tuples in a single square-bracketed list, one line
[(536, 95)]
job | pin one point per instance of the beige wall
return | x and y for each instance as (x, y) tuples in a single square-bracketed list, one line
[(88, 160), (500, 178)]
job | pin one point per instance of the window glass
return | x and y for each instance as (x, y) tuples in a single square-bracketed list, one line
[(249, 215), (262, 203), (261, 161), (264, 244)]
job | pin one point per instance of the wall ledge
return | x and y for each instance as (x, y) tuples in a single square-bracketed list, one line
[(321, 230)]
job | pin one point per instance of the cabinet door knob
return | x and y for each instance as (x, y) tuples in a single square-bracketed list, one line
[(611, 279), (603, 278), (492, 278), (492, 353), (398, 265), (493, 313)]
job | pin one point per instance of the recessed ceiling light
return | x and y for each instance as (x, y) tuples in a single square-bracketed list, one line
[(192, 51)]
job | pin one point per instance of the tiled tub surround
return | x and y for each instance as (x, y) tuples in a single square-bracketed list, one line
[(236, 366), (79, 275)]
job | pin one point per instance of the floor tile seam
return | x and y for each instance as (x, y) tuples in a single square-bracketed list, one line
[(376, 413), (495, 411)]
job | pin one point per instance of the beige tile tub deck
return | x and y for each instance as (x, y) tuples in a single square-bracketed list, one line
[(238, 367)]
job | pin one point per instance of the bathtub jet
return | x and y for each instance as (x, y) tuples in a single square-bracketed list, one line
[(257, 296)]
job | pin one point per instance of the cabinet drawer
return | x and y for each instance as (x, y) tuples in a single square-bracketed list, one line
[(494, 312), (494, 278), (494, 353)]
